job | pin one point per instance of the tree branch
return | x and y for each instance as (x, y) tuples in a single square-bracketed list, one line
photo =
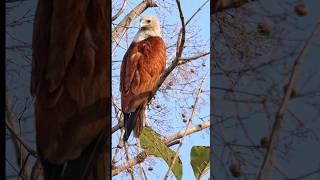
[(282, 108), (138, 159), (18, 138), (125, 2), (143, 155), (191, 58), (13, 1), (22, 154), (191, 130), (134, 13), (187, 127)]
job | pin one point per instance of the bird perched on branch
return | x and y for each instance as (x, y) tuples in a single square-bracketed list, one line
[(71, 85), (141, 68)]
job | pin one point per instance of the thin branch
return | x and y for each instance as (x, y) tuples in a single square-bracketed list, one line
[(125, 2), (190, 130), (22, 172), (282, 108), (199, 9), (18, 138), (24, 46), (117, 127), (191, 58), (307, 175), (119, 147), (138, 159), (13, 1), (180, 47), (128, 156), (22, 153), (188, 125), (168, 141), (276, 166)]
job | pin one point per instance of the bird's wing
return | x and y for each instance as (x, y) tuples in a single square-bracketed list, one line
[(70, 74), (140, 71), (129, 74), (57, 28)]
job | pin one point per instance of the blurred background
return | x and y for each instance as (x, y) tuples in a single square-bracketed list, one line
[(255, 47)]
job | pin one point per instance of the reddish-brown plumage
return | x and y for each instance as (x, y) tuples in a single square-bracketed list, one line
[(141, 68), (70, 76)]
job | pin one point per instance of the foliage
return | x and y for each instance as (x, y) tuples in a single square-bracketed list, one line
[(200, 160), (152, 144)]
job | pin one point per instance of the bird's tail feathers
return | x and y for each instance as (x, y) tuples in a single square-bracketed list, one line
[(134, 121), (139, 122)]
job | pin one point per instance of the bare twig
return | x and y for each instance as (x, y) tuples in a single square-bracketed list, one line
[(117, 127), (119, 147), (138, 159), (191, 58), (282, 108), (143, 155), (22, 153), (276, 166), (24, 46), (125, 2), (190, 130), (180, 47), (18, 138), (128, 156), (13, 1), (194, 14), (188, 125), (307, 175)]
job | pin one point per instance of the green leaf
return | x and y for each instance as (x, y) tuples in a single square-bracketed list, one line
[(200, 160), (152, 144)]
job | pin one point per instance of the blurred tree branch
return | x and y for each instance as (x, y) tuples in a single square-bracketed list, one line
[(284, 103), (13, 1), (22, 152)]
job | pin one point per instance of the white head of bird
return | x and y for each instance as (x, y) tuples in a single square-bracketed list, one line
[(149, 27)]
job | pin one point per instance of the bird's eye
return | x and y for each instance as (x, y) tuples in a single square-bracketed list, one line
[(148, 21)]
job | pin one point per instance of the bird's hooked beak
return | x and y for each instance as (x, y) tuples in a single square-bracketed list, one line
[(143, 25)]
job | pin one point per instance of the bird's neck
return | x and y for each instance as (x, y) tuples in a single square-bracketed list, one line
[(142, 35)]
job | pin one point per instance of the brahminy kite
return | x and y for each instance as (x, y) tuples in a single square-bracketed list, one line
[(141, 68)]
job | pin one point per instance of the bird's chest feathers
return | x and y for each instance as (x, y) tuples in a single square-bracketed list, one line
[(142, 35)]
